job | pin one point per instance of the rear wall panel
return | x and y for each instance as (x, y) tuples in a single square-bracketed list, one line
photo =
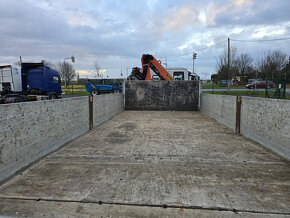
[(162, 95)]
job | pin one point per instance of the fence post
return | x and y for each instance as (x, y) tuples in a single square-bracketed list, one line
[(238, 113), (91, 120)]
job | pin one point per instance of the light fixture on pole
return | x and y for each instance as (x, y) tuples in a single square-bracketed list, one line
[(64, 68), (193, 57)]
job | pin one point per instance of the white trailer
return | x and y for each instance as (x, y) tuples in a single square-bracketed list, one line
[(10, 79)]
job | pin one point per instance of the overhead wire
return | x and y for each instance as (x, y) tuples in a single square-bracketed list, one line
[(238, 40), (260, 40), (198, 49)]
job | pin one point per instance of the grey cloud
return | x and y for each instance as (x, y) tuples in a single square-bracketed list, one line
[(259, 13)]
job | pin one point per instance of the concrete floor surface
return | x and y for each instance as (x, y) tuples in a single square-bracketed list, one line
[(153, 164)]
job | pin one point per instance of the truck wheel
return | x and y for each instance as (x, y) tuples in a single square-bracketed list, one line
[(52, 96), (19, 99), (95, 92), (116, 90)]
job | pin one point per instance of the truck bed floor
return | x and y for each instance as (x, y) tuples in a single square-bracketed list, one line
[(152, 164)]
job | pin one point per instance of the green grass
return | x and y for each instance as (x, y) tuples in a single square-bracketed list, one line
[(217, 86), (75, 90), (251, 93), (75, 87)]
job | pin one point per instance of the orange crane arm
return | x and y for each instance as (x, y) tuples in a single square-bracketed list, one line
[(149, 61)]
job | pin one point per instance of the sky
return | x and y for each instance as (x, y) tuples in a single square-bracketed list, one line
[(116, 33)]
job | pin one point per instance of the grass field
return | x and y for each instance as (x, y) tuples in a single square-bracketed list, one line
[(75, 90), (217, 86), (251, 93), (75, 87)]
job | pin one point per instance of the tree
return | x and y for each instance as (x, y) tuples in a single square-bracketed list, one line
[(243, 63), (98, 69), (244, 67), (285, 73), (273, 64), (215, 78), (224, 70), (66, 71)]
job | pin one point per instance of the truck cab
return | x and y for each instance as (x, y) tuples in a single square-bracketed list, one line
[(38, 78), (178, 73), (35, 81)]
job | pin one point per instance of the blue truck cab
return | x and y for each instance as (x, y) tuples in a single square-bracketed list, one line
[(39, 79)]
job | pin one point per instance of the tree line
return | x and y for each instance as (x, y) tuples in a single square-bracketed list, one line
[(275, 64)]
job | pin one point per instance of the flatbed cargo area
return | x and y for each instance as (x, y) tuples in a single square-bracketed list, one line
[(152, 164)]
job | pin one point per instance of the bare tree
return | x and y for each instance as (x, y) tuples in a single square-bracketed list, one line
[(67, 72), (244, 63), (272, 64), (98, 69), (224, 71)]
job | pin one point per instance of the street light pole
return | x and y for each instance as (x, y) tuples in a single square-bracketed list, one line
[(64, 68), (229, 65), (193, 57), (287, 70)]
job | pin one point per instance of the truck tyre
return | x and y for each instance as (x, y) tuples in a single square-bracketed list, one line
[(19, 99), (52, 96), (116, 90), (95, 92)]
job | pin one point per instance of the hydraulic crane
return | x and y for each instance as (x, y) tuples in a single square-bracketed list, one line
[(149, 62)]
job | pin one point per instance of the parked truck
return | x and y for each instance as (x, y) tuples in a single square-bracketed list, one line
[(31, 82)]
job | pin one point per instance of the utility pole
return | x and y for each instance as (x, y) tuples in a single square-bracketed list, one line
[(193, 57), (229, 64), (287, 70)]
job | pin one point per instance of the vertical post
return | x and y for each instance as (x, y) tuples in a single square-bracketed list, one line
[(229, 64), (91, 120), (192, 62), (238, 113), (288, 70), (256, 81), (165, 62)]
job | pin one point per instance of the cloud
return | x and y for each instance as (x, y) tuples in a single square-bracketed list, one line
[(180, 17), (117, 33)]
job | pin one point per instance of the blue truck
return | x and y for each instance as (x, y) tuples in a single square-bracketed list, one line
[(34, 81), (96, 87)]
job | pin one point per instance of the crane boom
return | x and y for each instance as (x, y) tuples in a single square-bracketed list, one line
[(149, 62)]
